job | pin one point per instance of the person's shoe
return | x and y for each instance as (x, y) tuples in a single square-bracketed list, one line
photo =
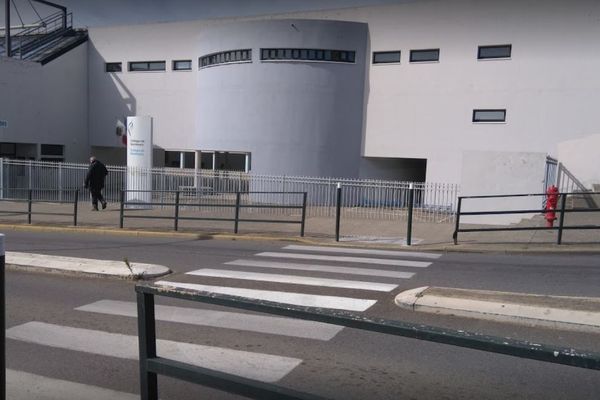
[(94, 208), (103, 205)]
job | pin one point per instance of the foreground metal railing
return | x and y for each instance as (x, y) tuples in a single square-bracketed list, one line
[(562, 210), (152, 365), (32, 196), (252, 201)]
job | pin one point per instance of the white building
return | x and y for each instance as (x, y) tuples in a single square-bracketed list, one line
[(461, 91)]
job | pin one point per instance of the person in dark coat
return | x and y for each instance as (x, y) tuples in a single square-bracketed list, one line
[(94, 180)]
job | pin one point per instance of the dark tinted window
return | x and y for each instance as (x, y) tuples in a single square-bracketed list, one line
[(383, 57), (52, 149), (424, 55), (487, 52), (182, 65), (224, 57), (147, 66), (342, 56), (113, 67), (496, 115)]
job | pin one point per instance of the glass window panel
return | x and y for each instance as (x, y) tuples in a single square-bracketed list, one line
[(138, 66), (295, 54), (351, 56), (424, 55), (489, 115), (382, 57), (320, 54), (503, 51), (52, 149), (304, 54), (238, 55), (113, 67), (327, 55), (288, 54), (157, 66), (182, 65), (312, 55)]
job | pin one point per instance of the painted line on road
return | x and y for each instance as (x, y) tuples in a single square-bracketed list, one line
[(322, 268), (294, 279), (347, 250), (262, 367), (222, 319), (299, 299), (364, 260), (25, 386)]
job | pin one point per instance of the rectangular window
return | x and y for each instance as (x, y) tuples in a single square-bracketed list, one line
[(137, 66), (425, 55), (495, 115), (52, 149), (182, 65), (490, 52), (386, 57), (114, 67)]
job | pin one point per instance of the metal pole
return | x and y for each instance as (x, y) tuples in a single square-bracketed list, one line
[(457, 222), (2, 322), (561, 219), (338, 209), (411, 200), (147, 345), (303, 214), (122, 210), (29, 206), (7, 29), (177, 210), (237, 212), (75, 207)]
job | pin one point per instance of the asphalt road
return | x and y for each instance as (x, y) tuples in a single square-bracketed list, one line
[(349, 364)]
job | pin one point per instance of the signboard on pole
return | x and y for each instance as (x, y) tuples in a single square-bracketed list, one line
[(139, 160)]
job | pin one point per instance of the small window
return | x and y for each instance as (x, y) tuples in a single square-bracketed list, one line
[(182, 65), (137, 66), (52, 149), (491, 52), (114, 67), (386, 57), (497, 115), (425, 55)]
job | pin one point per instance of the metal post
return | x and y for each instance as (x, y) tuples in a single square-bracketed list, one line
[(122, 209), (29, 195), (303, 214), (411, 201), (75, 207), (2, 322), (561, 219), (7, 44), (177, 210), (237, 212), (147, 345), (457, 222), (338, 209)]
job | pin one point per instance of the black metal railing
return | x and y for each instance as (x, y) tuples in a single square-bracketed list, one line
[(561, 211), (152, 365), (173, 198), (29, 197)]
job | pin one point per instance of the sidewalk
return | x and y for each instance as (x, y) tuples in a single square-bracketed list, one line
[(389, 233)]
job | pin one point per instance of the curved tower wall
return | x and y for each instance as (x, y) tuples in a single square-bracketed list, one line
[(294, 117)]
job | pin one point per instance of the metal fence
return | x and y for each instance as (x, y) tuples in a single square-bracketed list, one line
[(363, 198)]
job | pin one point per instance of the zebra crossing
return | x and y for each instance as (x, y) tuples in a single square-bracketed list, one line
[(345, 279)]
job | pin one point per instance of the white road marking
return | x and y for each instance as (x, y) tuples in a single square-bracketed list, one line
[(262, 367), (323, 268), (294, 279), (221, 319), (347, 250), (24, 386), (364, 260), (299, 299)]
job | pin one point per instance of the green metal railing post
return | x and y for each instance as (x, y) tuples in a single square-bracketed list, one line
[(177, 210), (561, 218), (237, 212)]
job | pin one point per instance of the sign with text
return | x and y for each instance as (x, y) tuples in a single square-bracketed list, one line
[(139, 160)]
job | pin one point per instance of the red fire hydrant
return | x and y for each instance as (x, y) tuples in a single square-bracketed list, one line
[(551, 203)]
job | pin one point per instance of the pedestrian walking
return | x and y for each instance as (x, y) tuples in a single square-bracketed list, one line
[(94, 180)]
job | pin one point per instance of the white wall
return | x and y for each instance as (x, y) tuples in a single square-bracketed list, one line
[(582, 158), (47, 103)]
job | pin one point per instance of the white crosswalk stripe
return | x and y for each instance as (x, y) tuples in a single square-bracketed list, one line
[(299, 299), (347, 250), (221, 319), (322, 268), (363, 260), (262, 367), (293, 279)]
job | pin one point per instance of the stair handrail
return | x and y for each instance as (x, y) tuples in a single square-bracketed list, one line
[(576, 185)]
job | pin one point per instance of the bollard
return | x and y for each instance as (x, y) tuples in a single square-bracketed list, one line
[(561, 218), (411, 201), (2, 323), (237, 212), (176, 223), (122, 209), (302, 225), (75, 203), (338, 209), (29, 201)]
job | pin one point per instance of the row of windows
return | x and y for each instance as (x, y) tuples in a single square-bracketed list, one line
[(308, 55), (431, 55), (145, 66), (225, 57)]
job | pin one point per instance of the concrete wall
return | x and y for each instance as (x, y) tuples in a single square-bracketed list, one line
[(295, 117), (47, 104), (501, 173)]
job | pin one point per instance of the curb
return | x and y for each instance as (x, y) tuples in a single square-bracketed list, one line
[(574, 313)]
